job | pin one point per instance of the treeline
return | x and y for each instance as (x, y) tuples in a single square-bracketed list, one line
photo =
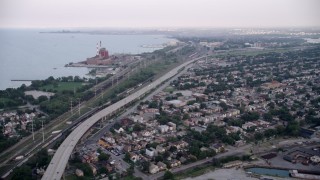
[(12, 97)]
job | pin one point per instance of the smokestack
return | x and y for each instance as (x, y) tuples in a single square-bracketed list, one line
[(97, 49)]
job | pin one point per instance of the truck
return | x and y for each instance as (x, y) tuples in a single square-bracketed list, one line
[(56, 132), (18, 158)]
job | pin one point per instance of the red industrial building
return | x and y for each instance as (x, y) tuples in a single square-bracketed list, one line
[(103, 53)]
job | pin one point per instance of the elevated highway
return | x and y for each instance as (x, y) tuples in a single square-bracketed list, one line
[(60, 159)]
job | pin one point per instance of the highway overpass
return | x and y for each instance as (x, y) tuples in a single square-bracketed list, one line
[(60, 159)]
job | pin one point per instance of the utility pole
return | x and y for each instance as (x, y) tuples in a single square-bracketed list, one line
[(101, 93), (71, 106), (79, 106), (42, 132), (112, 81), (95, 88), (128, 74), (32, 129), (117, 80)]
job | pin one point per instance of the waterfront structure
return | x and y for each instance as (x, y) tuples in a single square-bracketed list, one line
[(102, 57)]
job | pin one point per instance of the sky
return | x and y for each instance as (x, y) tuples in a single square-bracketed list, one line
[(158, 13)]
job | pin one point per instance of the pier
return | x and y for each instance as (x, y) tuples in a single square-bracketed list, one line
[(23, 80)]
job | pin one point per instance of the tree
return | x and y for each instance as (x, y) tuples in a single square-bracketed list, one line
[(224, 106), (258, 136), (145, 165), (85, 167), (102, 170), (103, 156), (42, 98), (267, 116), (203, 106), (158, 158), (293, 128), (168, 175), (173, 149), (23, 172), (127, 157), (130, 170)]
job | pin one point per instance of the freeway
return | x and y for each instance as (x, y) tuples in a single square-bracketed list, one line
[(60, 159)]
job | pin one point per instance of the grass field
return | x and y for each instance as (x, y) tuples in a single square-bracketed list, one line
[(198, 171), (5, 100), (169, 89), (61, 86)]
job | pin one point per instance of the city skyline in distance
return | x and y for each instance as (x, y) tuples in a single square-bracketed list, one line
[(159, 14)]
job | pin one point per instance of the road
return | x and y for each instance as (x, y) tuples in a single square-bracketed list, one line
[(60, 159)]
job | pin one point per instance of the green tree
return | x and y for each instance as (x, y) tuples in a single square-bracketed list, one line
[(168, 175), (127, 157), (103, 156), (24, 172)]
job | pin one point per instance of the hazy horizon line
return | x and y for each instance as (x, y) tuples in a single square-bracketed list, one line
[(168, 27)]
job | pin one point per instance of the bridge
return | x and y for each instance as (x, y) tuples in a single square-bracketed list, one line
[(60, 159)]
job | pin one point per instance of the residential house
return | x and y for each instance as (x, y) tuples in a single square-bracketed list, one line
[(217, 147), (153, 168), (174, 163), (162, 166), (160, 149), (151, 152), (163, 128), (133, 157)]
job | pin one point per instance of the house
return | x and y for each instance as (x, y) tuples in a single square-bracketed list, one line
[(110, 140), (239, 143), (103, 143), (162, 166), (109, 168), (134, 157), (93, 168), (151, 152), (219, 123), (153, 168), (172, 126), (163, 128), (183, 159), (233, 112), (217, 147), (175, 163), (177, 103), (138, 118), (233, 129), (200, 96), (79, 172), (127, 148), (120, 130), (179, 144), (151, 110), (160, 149), (248, 125), (145, 133)]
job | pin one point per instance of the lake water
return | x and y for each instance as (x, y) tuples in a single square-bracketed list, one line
[(30, 55), (270, 172)]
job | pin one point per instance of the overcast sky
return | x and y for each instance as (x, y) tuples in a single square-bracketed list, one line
[(159, 13)]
